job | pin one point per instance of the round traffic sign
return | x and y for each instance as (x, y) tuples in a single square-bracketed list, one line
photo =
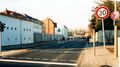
[(115, 15), (102, 12)]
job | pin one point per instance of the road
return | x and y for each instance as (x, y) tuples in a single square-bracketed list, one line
[(12, 64), (60, 54)]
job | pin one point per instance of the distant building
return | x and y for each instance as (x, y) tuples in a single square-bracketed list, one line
[(49, 26), (20, 28), (62, 31)]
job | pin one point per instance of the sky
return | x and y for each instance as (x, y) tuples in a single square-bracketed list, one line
[(71, 13)]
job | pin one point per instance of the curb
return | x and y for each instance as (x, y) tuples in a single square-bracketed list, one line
[(80, 58)]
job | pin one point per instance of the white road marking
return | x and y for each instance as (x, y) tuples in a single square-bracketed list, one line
[(54, 51), (54, 59), (44, 59), (28, 58), (72, 60), (61, 52), (36, 58), (12, 57), (57, 51), (20, 57), (42, 51), (66, 51), (63, 60), (38, 62)]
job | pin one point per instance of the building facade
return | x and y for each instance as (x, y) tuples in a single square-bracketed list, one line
[(49, 26), (19, 28), (63, 30), (11, 34)]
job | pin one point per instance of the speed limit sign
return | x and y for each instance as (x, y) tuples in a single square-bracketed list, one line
[(102, 12)]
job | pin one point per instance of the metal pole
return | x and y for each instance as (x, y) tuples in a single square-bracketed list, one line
[(94, 42), (104, 39), (103, 32), (115, 40)]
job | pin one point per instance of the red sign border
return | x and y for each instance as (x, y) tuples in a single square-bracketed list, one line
[(108, 12), (113, 18)]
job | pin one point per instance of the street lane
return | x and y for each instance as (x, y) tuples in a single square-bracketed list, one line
[(56, 55), (62, 52), (80, 43)]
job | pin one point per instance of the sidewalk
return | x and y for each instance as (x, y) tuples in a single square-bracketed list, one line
[(12, 52), (102, 57)]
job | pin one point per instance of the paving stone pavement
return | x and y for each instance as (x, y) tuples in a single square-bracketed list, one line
[(101, 58)]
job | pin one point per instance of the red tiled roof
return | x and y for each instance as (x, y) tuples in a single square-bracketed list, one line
[(12, 14), (19, 16)]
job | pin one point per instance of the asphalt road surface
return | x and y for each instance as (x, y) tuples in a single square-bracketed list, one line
[(66, 52), (15, 64)]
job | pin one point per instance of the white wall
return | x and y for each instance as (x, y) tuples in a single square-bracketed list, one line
[(11, 34), (37, 28), (27, 32), (64, 31)]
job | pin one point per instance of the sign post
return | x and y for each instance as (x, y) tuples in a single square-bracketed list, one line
[(102, 12), (115, 16)]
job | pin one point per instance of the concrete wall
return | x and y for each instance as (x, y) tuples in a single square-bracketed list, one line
[(109, 36), (37, 37), (37, 32), (48, 37)]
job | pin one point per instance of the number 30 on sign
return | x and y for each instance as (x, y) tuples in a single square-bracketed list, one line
[(102, 12)]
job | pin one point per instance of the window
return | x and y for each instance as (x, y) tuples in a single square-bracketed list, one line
[(15, 38), (15, 28), (24, 38), (29, 29), (11, 28), (8, 39), (24, 29), (7, 28)]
